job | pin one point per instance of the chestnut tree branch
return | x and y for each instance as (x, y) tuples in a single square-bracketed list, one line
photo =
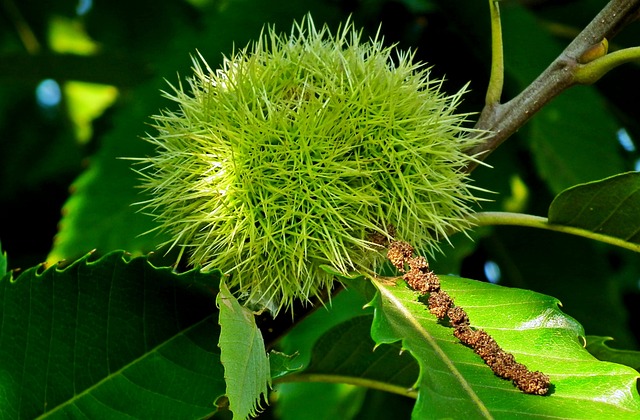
[(502, 120), (592, 71)]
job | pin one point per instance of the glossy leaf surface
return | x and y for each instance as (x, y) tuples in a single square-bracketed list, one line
[(454, 381)]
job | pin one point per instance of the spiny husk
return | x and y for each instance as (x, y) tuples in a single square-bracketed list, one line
[(296, 151)]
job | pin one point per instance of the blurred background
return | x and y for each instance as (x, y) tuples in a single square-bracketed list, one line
[(80, 78)]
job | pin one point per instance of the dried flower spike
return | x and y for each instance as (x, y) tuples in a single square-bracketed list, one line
[(421, 279), (299, 149)]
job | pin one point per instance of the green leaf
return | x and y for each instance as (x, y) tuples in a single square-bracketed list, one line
[(188, 362), (454, 382), (282, 364), (610, 207), (116, 337), (242, 352), (100, 214), (345, 354), (573, 140), (554, 264), (306, 332), (342, 352), (318, 401), (598, 347), (347, 351), (3, 262)]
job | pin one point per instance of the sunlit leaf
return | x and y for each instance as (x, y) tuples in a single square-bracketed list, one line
[(68, 36), (85, 103), (99, 213), (554, 264), (454, 382)]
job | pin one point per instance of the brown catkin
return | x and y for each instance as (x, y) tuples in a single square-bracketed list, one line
[(503, 364), (399, 253), (457, 316), (439, 304)]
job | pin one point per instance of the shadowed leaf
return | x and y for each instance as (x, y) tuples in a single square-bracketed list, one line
[(346, 354), (589, 206), (106, 337), (599, 348), (347, 351)]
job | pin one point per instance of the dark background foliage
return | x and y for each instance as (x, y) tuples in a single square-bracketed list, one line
[(52, 177)]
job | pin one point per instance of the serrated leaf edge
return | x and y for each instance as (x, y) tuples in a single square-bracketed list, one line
[(384, 293)]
